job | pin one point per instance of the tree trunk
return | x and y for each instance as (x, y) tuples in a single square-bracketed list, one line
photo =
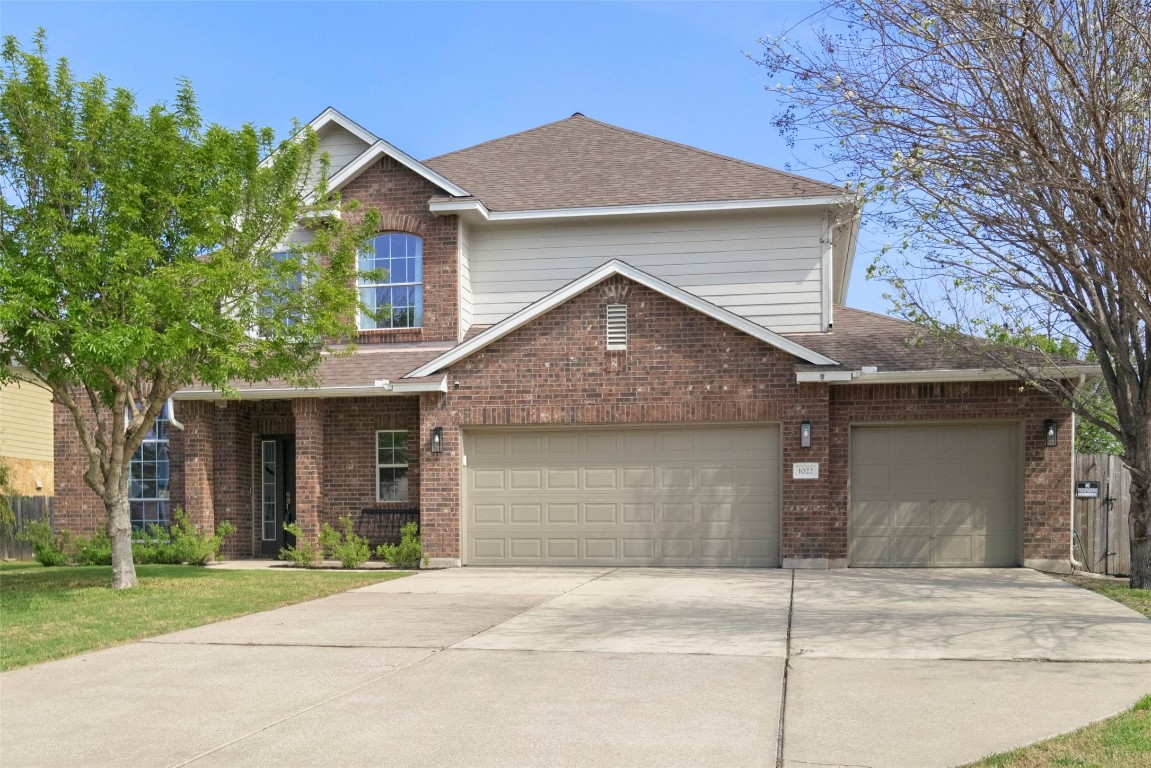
[(120, 531), (1140, 533)]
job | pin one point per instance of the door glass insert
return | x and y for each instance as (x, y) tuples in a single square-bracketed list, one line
[(268, 489)]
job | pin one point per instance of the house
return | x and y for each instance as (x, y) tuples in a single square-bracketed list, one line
[(26, 437), (607, 348)]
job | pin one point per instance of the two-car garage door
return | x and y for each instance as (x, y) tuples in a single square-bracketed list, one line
[(699, 495)]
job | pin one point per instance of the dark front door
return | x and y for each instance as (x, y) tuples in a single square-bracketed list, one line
[(277, 487)]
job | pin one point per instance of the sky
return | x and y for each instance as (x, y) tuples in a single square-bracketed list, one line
[(432, 77)]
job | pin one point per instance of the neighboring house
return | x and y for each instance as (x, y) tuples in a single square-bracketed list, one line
[(605, 348), (26, 437)]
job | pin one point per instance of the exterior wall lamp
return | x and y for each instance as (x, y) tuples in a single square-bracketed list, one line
[(805, 434), (437, 439), (1050, 433)]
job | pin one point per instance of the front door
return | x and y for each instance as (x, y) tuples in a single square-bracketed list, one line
[(277, 487)]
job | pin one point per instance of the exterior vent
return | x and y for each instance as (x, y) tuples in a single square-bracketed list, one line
[(617, 326)]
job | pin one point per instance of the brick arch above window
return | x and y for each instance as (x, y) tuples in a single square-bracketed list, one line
[(404, 223)]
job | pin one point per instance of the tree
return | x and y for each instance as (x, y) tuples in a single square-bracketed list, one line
[(144, 251), (1008, 142)]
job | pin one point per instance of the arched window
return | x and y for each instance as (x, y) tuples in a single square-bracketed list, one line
[(394, 298)]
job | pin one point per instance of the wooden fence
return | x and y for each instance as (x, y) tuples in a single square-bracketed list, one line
[(28, 509), (1103, 525)]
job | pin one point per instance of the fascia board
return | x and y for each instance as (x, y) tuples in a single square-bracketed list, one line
[(451, 206), (964, 374), (281, 393), (574, 288), (823, 377), (332, 115), (380, 148)]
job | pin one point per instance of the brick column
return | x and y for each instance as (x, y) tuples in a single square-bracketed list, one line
[(232, 485), (440, 483), (309, 416), (199, 462), (814, 534)]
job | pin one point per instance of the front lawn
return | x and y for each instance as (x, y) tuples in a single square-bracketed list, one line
[(50, 613), (1118, 590), (1123, 741)]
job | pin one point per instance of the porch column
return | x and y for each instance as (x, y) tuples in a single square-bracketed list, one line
[(232, 484), (199, 461), (814, 531), (309, 416)]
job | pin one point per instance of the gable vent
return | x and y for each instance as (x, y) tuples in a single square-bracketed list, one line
[(617, 326)]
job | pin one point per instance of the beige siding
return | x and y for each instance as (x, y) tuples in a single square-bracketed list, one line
[(341, 146), (764, 266), (465, 279), (25, 422)]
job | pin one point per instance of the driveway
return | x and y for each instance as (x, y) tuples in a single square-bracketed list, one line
[(601, 667)]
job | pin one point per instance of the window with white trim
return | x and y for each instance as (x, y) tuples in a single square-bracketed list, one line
[(392, 465), (148, 477), (395, 297)]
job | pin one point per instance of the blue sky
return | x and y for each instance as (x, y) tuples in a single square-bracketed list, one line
[(432, 77)]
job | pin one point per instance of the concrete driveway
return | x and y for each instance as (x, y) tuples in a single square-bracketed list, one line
[(601, 667)]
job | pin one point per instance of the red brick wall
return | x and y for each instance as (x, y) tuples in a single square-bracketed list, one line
[(1046, 471), (402, 197), (680, 366)]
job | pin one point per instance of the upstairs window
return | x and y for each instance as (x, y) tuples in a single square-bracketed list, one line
[(395, 297)]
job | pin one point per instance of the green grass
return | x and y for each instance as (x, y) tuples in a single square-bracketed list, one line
[(50, 613), (1124, 741), (1118, 590)]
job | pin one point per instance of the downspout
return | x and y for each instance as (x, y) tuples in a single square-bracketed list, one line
[(172, 415), (1074, 563)]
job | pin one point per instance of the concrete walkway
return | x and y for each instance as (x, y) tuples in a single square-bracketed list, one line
[(601, 667)]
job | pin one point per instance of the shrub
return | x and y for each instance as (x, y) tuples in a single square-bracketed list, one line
[(351, 550), (407, 553), (94, 551), (48, 547), (305, 554), (189, 545)]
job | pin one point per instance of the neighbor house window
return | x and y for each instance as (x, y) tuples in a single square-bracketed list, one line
[(393, 298), (148, 477), (392, 465)]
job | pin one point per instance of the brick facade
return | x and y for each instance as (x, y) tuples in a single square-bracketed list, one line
[(402, 197)]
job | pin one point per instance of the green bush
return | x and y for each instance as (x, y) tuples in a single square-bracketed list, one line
[(351, 550), (407, 553), (182, 543), (305, 554), (94, 551), (48, 547)]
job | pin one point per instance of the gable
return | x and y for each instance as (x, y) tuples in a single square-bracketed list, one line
[(594, 278)]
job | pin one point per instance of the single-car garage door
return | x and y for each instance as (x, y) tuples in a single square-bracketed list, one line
[(701, 495), (943, 496)]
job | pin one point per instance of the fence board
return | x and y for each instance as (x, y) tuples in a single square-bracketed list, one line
[(27, 509), (1103, 524)]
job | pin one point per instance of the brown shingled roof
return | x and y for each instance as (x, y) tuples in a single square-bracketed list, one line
[(861, 338), (360, 369), (582, 163)]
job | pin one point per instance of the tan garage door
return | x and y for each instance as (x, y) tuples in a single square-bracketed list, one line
[(943, 496), (706, 495)]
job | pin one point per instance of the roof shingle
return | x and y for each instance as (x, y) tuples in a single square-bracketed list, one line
[(581, 163)]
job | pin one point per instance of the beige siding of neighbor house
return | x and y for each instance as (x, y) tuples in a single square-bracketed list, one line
[(26, 437), (765, 266)]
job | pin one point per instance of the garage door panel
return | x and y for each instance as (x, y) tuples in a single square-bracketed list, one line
[(678, 496), (934, 495)]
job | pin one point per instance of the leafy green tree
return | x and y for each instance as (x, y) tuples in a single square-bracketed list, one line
[(1007, 145), (144, 251)]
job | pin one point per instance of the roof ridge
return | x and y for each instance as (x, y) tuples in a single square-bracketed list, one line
[(701, 151), (499, 138)]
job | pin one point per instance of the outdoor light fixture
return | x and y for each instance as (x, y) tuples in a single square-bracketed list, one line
[(1050, 433), (437, 439), (805, 434)]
